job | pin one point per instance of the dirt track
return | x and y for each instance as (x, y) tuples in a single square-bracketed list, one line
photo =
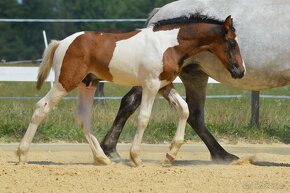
[(69, 168)]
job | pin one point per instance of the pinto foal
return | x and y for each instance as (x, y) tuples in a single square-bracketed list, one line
[(150, 57)]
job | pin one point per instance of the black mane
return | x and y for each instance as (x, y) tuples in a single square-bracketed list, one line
[(193, 18)]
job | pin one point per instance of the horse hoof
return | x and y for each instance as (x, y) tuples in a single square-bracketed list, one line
[(170, 158), (136, 160), (115, 157), (103, 161), (22, 159), (166, 163), (224, 158)]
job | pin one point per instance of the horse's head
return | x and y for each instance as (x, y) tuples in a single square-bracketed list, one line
[(226, 48)]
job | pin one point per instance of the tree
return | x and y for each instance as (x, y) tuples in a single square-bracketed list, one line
[(24, 40)]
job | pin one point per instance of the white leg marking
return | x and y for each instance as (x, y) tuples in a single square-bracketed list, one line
[(84, 114), (183, 111), (148, 95), (42, 109)]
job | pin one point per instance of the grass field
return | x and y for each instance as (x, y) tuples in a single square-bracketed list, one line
[(226, 118)]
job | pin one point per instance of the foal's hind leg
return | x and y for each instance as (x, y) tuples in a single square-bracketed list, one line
[(177, 101), (83, 113), (42, 109)]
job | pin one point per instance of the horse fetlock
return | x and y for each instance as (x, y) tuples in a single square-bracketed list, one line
[(175, 145)]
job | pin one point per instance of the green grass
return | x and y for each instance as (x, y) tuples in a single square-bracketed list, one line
[(226, 118)]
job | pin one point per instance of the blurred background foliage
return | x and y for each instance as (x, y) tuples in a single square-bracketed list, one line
[(20, 41)]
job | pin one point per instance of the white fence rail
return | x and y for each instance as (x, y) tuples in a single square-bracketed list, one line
[(29, 74)]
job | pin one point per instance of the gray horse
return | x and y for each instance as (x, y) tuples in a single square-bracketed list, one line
[(263, 29)]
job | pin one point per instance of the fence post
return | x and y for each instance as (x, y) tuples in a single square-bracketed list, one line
[(255, 106)]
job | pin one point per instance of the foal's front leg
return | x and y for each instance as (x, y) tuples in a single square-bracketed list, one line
[(83, 114), (177, 101), (148, 95)]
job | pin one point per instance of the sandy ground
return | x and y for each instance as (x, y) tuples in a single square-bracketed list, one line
[(69, 168)]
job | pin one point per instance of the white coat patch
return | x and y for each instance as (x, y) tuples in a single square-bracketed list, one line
[(141, 56)]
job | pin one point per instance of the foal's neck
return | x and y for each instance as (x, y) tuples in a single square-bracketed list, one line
[(197, 35), (193, 38)]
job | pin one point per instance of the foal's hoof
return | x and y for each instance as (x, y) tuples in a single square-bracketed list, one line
[(103, 161), (22, 158), (166, 163), (170, 158), (136, 160)]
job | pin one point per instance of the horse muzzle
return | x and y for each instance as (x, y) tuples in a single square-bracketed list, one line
[(237, 73)]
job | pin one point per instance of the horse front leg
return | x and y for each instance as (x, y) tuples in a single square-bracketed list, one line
[(177, 101), (195, 82), (129, 103), (83, 115), (148, 96)]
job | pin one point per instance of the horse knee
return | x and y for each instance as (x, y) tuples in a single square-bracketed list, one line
[(184, 111)]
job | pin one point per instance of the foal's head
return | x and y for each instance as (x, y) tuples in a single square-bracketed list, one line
[(226, 48)]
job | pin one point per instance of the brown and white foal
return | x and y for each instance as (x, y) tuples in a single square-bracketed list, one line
[(150, 57)]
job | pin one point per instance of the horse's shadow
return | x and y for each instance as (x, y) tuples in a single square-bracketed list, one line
[(269, 164), (51, 163), (178, 163)]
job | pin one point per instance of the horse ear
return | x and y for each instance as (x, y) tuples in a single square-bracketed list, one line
[(228, 24)]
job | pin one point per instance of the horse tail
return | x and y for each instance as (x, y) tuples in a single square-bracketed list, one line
[(46, 63)]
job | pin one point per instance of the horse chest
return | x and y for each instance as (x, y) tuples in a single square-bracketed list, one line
[(141, 57)]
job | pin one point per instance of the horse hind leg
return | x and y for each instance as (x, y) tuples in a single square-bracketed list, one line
[(177, 101), (83, 115), (42, 109)]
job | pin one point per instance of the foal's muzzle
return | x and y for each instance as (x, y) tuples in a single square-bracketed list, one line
[(236, 72)]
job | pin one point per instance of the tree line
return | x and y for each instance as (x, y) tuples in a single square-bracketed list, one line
[(20, 41)]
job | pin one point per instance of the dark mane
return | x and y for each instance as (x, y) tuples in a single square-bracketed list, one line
[(193, 18)]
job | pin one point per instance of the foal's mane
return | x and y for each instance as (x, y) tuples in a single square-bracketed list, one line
[(192, 18)]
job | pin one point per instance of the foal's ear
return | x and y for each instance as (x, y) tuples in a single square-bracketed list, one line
[(228, 25)]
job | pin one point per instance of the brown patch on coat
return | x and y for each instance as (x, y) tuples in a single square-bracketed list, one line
[(165, 91), (174, 57), (90, 53), (170, 65)]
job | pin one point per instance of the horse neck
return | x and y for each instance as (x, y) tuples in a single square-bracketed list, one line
[(200, 34)]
